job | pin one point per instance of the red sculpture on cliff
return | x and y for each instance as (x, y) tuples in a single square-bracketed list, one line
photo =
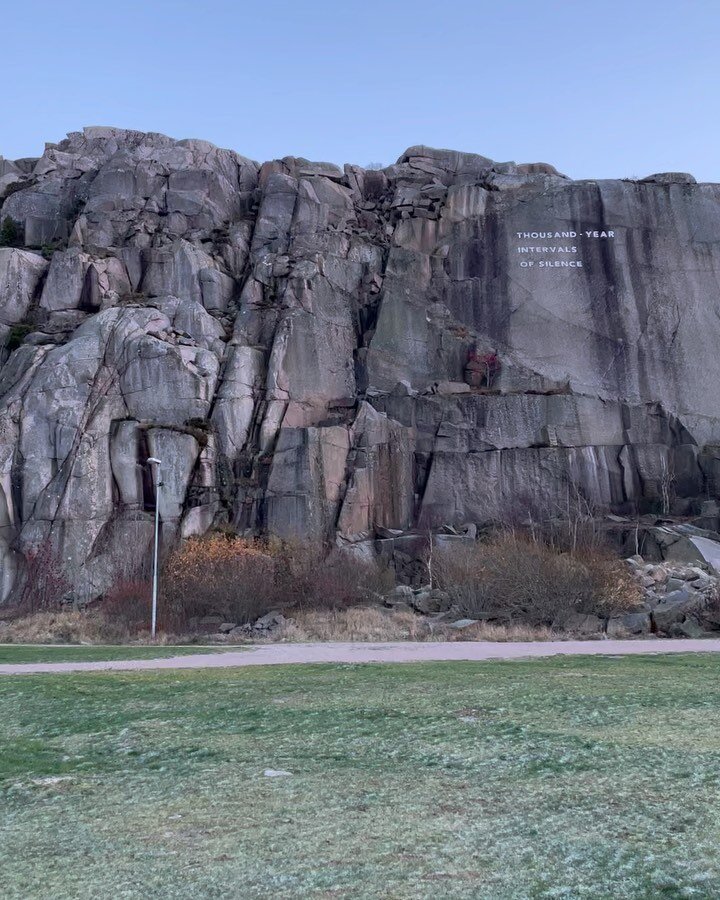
[(481, 368)]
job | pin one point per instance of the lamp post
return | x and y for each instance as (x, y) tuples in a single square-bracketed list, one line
[(152, 461)]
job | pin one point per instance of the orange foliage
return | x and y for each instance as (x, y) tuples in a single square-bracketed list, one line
[(217, 575)]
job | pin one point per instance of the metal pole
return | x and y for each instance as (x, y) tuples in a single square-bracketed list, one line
[(153, 626)]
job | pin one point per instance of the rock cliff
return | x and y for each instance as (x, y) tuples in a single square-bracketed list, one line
[(342, 354)]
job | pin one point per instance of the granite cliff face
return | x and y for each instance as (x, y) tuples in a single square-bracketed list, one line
[(341, 354)]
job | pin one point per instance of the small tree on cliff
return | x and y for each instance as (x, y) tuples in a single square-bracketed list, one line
[(10, 233)]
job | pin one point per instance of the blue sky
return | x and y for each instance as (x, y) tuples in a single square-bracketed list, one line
[(603, 89)]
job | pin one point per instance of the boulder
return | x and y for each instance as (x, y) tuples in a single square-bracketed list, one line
[(631, 623), (269, 621), (674, 607), (579, 623), (689, 628), (240, 631), (675, 584), (669, 178), (709, 552), (460, 624), (399, 605), (450, 387), (400, 594), (431, 601)]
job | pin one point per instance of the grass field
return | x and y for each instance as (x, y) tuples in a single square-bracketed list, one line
[(29, 653), (585, 777)]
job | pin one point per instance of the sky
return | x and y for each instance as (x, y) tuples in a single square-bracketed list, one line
[(598, 89)]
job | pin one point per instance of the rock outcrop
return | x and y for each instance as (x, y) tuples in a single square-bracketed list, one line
[(679, 601), (344, 355)]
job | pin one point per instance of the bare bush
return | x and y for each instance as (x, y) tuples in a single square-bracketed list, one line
[(126, 608), (360, 623), (571, 523), (309, 578), (240, 580), (45, 582), (512, 578), (217, 575)]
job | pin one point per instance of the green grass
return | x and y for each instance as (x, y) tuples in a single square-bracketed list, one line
[(47, 653), (560, 778)]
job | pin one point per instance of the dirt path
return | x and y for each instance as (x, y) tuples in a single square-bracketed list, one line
[(278, 654)]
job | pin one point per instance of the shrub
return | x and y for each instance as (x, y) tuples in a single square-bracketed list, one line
[(11, 233), (512, 577), (45, 582), (481, 368), (17, 335), (47, 250), (310, 578), (127, 606), (572, 524), (240, 580), (216, 575)]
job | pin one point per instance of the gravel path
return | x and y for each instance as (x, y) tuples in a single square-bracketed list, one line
[(278, 654)]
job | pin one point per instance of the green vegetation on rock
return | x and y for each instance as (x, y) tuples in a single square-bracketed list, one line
[(16, 335), (11, 233)]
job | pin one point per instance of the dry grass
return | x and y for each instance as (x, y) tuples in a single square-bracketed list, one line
[(378, 624), (48, 627), (488, 631), (88, 626), (359, 623)]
